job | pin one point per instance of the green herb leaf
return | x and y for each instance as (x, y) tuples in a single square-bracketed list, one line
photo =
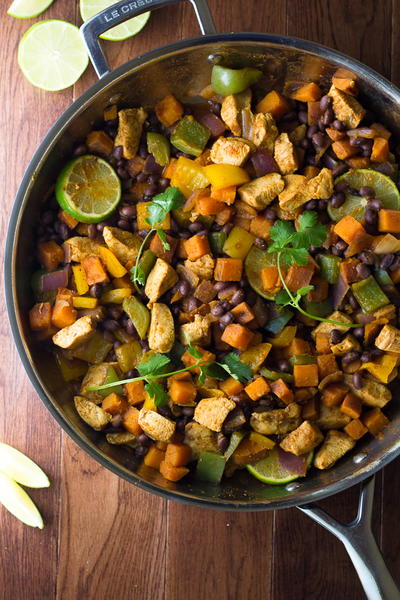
[(155, 365), (157, 393), (304, 290), (281, 232), (163, 238), (138, 275), (193, 350), (311, 231), (162, 204), (294, 256), (282, 298), (236, 368)]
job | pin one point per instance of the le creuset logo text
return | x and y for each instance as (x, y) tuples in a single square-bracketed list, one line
[(125, 9)]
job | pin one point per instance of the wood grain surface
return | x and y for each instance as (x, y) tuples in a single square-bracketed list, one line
[(104, 538)]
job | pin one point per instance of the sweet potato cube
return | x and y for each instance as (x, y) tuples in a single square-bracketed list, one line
[(169, 110), (257, 388), (305, 375), (178, 455), (243, 313), (361, 241), (237, 336), (343, 149), (154, 458), (67, 219), (326, 365), (274, 103), (172, 473), (280, 389), (130, 420), (189, 360), (314, 112), (322, 343), (334, 134), (310, 410), (260, 226), (99, 143), (346, 81), (347, 228), (298, 277), (134, 391), (114, 404), (359, 162), (226, 195), (228, 269), (206, 205), (157, 247), (223, 217), (298, 346), (380, 150), (94, 269), (63, 313), (307, 93), (334, 394), (270, 278), (355, 429), (231, 386), (374, 420), (182, 393), (197, 246), (351, 405), (389, 220), (50, 255), (40, 316)]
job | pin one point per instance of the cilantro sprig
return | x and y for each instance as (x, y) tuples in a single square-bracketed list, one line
[(157, 209), (292, 248)]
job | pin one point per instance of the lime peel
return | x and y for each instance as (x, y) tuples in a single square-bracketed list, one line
[(20, 468), (268, 470), (89, 8)]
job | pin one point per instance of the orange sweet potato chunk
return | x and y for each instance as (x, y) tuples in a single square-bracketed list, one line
[(326, 364), (243, 313), (197, 246), (298, 277), (305, 375), (169, 110), (182, 392), (114, 404), (257, 388), (63, 313), (347, 228), (134, 391), (280, 389), (228, 269), (334, 394), (274, 103), (389, 221), (130, 420), (231, 386), (343, 149), (237, 336), (380, 150), (40, 316), (154, 458), (355, 429), (94, 269), (270, 278), (207, 205), (307, 93), (100, 143), (178, 455), (172, 473), (50, 255), (374, 420), (351, 405)]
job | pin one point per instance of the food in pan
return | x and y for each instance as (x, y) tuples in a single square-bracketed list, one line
[(218, 279)]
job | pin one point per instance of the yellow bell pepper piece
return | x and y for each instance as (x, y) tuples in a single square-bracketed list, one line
[(81, 283), (115, 296), (84, 302), (221, 176), (384, 368), (142, 215), (122, 282), (188, 176), (284, 338), (149, 403), (112, 263), (262, 440), (238, 243)]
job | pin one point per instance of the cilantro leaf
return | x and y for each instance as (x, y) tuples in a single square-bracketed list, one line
[(294, 256), (236, 368), (162, 204), (157, 393), (155, 365), (163, 238), (138, 275), (281, 232), (193, 351), (282, 298), (311, 231), (304, 290)]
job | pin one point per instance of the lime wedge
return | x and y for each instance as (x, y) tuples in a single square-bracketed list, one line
[(89, 8), (21, 468), (16, 500), (269, 470), (52, 55), (88, 189), (385, 190), (26, 9), (255, 261)]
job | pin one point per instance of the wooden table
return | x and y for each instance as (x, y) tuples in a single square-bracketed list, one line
[(104, 538)]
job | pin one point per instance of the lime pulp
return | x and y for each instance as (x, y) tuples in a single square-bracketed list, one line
[(268, 470), (255, 261), (27, 9), (21, 468), (89, 8)]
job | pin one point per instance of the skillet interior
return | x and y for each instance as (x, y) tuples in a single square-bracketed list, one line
[(182, 69)]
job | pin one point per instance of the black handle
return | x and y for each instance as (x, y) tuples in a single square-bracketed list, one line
[(127, 9)]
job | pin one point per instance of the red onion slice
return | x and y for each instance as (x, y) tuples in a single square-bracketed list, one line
[(213, 123), (54, 280), (292, 463), (263, 162)]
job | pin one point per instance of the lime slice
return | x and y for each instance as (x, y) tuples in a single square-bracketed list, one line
[(89, 8), (16, 500), (385, 190), (52, 55), (269, 470), (88, 189), (255, 261), (21, 468), (26, 9)]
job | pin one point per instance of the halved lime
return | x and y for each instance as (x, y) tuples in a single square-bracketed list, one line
[(89, 8), (52, 55), (255, 261), (26, 9), (270, 471), (21, 468), (385, 190), (88, 189), (16, 500)]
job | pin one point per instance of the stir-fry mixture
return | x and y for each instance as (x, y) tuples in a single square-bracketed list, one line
[(218, 279)]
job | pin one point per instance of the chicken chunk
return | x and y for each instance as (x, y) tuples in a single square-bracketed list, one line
[(335, 445), (298, 134), (389, 339), (92, 414), (162, 329), (264, 131), (161, 278), (130, 123), (332, 418), (347, 344), (212, 412), (95, 375), (371, 393), (294, 193), (124, 244), (328, 327), (196, 332), (277, 421), (77, 248), (285, 154), (320, 186), (303, 439), (156, 426), (230, 151), (203, 267), (346, 108), (200, 439), (231, 108), (123, 437), (260, 192), (75, 334)]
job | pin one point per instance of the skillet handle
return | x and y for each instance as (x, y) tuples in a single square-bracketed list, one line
[(360, 544), (127, 9)]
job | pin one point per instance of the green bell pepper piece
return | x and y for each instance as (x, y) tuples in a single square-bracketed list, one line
[(159, 147), (111, 377), (329, 265), (369, 295), (302, 359), (138, 314), (383, 277), (275, 375), (234, 442), (226, 81), (217, 240), (94, 350), (70, 369), (276, 324), (210, 467), (319, 309), (128, 355), (190, 136), (146, 263)]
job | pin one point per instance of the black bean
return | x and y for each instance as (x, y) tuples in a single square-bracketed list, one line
[(184, 287), (222, 441), (227, 293), (335, 336), (47, 217), (375, 204), (96, 290), (192, 304), (367, 257), (226, 306), (341, 245), (350, 357), (270, 214), (116, 421), (185, 235), (163, 183), (386, 261), (358, 333), (305, 143), (302, 117), (352, 301), (122, 173), (227, 228), (92, 231), (145, 345), (365, 357), (141, 450), (110, 325), (367, 191), (370, 216), (63, 231), (80, 150), (363, 271), (325, 102), (150, 189), (395, 264), (100, 227), (357, 381), (339, 125), (236, 399), (141, 177), (260, 243), (284, 365), (322, 204), (311, 205), (117, 344), (130, 328), (114, 312), (238, 297), (128, 211), (340, 169), (108, 336), (221, 285), (353, 191), (142, 232), (225, 320), (217, 310), (355, 141), (187, 411), (143, 440), (337, 199), (328, 117), (371, 228), (313, 129), (375, 353), (124, 224)]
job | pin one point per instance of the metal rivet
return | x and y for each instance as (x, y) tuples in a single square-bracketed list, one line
[(292, 487), (215, 58), (358, 458)]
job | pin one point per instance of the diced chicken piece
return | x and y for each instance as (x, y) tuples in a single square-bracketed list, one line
[(200, 439), (346, 108), (386, 312), (231, 108), (117, 439), (203, 267), (156, 426), (92, 414), (303, 439), (212, 412), (188, 276), (294, 193), (328, 327), (264, 131), (335, 445), (77, 248), (162, 330), (389, 339), (196, 332), (260, 192), (95, 375), (332, 418), (347, 344), (160, 279), (230, 151), (278, 421), (285, 154), (371, 393), (124, 244), (75, 334), (320, 186), (130, 123), (298, 134)]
